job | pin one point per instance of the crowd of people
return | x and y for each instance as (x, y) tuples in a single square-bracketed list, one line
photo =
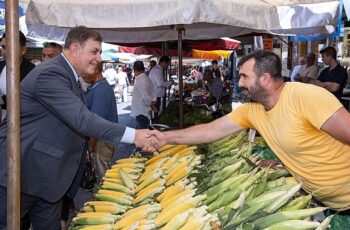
[(61, 123)]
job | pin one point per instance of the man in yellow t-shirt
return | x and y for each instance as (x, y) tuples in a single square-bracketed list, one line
[(305, 125)]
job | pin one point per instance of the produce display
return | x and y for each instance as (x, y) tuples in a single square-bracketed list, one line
[(213, 186)]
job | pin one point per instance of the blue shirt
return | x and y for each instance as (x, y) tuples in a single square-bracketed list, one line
[(100, 99)]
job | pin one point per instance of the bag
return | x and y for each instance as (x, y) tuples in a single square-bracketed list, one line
[(89, 177)]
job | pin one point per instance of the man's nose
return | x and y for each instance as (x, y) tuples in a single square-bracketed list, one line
[(99, 58)]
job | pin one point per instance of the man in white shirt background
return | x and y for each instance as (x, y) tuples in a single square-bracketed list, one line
[(159, 84), (143, 97)]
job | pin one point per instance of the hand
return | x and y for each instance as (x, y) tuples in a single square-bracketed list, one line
[(159, 137), (145, 140)]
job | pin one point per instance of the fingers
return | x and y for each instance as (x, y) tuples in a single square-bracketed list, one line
[(149, 140)]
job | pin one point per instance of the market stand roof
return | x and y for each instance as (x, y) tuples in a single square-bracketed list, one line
[(154, 20)]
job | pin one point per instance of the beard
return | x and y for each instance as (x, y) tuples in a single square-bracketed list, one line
[(256, 93)]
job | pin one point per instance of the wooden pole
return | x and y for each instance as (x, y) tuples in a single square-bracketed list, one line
[(13, 121), (180, 29)]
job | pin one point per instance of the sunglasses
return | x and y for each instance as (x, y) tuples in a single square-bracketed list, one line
[(51, 45)]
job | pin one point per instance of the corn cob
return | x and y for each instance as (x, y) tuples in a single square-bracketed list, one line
[(115, 199), (113, 180), (294, 224), (126, 180), (131, 160), (178, 221), (182, 173), (225, 173), (297, 203), (115, 209), (152, 178), (165, 154), (151, 168), (94, 227), (173, 190), (176, 169), (90, 218), (166, 215), (114, 173), (196, 223), (186, 151), (325, 223), (166, 147), (156, 184), (174, 200), (129, 165), (115, 193), (130, 217), (147, 194), (278, 217), (116, 187), (283, 199)]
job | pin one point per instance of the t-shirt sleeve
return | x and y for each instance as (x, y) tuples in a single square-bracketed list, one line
[(317, 105), (240, 116)]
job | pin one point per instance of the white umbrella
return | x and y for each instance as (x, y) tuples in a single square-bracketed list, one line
[(127, 21), (153, 20)]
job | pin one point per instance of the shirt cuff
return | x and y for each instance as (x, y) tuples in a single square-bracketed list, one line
[(129, 135)]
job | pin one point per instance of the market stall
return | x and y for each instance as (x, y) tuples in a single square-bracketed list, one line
[(214, 186)]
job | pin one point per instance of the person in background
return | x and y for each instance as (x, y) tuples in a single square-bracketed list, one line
[(214, 84), (152, 64), (297, 68), (100, 99), (143, 99), (334, 77), (226, 74), (215, 69), (54, 125), (312, 139), (111, 75), (159, 84), (25, 67), (123, 83), (309, 71), (50, 50)]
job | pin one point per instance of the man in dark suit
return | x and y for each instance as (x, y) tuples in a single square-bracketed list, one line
[(25, 67), (54, 124)]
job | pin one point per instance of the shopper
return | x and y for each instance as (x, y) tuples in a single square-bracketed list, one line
[(143, 99)]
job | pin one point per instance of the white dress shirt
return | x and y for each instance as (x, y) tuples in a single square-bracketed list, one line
[(143, 95), (159, 85)]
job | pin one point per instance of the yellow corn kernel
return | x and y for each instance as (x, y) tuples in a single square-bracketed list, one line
[(182, 173), (176, 169), (173, 200), (165, 154), (166, 147)]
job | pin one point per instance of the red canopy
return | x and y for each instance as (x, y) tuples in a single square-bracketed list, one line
[(154, 48)]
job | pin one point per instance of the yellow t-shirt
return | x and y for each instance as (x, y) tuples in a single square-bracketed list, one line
[(292, 130)]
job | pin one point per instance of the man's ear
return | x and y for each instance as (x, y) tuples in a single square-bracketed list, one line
[(74, 49), (265, 79)]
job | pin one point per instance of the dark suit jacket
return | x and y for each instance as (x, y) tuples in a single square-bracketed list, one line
[(54, 123)]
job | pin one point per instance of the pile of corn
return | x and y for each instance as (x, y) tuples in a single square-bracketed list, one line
[(221, 188)]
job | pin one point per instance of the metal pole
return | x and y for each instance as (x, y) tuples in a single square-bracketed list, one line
[(180, 29), (13, 125)]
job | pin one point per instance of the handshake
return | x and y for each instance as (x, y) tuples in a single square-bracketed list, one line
[(149, 140)]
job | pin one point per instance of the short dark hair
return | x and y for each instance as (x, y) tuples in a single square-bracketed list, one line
[(80, 35), (214, 62), (164, 59), (329, 51), (52, 45), (22, 39), (265, 62), (138, 66)]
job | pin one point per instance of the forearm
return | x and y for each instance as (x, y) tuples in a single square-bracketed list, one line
[(330, 86), (204, 133)]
